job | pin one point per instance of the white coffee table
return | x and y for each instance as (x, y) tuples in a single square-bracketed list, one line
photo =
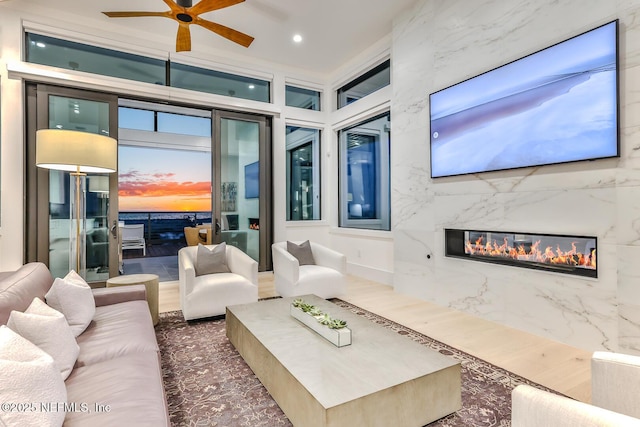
[(381, 379)]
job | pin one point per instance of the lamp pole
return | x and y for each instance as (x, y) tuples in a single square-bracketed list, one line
[(79, 206)]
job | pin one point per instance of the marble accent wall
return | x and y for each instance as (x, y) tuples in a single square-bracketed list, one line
[(438, 44)]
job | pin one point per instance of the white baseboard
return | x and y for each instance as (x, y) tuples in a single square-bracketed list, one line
[(370, 273)]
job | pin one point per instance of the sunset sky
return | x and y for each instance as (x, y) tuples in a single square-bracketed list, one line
[(153, 180)]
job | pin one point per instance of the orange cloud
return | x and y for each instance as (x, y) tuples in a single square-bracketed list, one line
[(163, 188), (157, 192)]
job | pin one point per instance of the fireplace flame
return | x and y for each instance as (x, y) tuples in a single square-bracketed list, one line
[(534, 254)]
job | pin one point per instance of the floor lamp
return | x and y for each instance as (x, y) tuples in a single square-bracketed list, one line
[(79, 153)]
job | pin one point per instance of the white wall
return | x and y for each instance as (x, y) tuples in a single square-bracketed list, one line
[(441, 43), (11, 148)]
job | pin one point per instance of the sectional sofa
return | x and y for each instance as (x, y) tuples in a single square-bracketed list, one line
[(117, 377)]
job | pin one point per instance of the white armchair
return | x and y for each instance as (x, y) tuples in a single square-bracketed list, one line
[(326, 279), (209, 295), (615, 384)]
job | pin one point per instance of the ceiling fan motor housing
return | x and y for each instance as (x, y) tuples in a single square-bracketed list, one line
[(185, 3)]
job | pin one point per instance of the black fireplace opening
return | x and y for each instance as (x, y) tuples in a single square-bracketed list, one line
[(574, 255)]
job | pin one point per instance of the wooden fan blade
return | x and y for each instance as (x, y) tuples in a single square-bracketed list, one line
[(208, 5), (174, 6), (226, 32), (134, 14), (183, 40)]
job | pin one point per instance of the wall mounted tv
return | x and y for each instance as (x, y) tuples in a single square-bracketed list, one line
[(557, 105)]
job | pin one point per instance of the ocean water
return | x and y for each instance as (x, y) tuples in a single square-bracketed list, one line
[(165, 227)]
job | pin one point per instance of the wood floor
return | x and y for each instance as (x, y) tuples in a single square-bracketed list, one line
[(560, 367)]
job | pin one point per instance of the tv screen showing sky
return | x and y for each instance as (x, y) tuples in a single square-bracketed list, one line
[(555, 106)]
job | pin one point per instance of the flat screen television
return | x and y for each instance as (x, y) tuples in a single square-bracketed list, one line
[(557, 105), (252, 181)]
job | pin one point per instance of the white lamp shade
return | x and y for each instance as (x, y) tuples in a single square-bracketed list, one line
[(73, 151)]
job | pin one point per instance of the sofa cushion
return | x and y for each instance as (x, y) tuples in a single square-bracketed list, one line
[(19, 288), (130, 385), (117, 330), (49, 330), (211, 260), (72, 297), (302, 252), (29, 377)]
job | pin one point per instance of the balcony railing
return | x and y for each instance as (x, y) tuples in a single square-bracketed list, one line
[(164, 227)]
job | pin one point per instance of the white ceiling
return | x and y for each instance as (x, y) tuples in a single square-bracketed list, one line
[(333, 31)]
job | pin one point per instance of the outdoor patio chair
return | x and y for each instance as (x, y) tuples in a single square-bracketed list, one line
[(133, 237)]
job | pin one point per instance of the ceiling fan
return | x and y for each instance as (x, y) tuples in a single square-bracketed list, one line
[(186, 14)]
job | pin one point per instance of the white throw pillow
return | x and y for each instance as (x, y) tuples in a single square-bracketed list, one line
[(49, 330), (72, 296), (28, 377)]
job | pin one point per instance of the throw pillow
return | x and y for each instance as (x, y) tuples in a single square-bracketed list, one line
[(210, 261), (302, 252), (49, 330), (29, 377), (72, 296)]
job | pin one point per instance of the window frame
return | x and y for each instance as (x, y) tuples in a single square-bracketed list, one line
[(315, 140), (383, 175), (342, 92), (301, 88)]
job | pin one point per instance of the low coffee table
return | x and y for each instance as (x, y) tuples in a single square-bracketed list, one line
[(381, 379)]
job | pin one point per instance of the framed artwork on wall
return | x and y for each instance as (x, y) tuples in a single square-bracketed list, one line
[(229, 196)]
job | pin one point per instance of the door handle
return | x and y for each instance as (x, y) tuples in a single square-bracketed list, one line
[(217, 226), (114, 229)]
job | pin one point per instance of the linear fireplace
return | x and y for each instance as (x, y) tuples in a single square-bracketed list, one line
[(558, 253)]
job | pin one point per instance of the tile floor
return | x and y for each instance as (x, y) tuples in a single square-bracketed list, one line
[(166, 267)]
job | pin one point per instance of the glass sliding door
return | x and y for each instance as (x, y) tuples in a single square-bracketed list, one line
[(49, 230), (242, 201), (165, 167)]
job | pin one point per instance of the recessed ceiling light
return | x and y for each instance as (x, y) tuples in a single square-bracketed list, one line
[(297, 38)]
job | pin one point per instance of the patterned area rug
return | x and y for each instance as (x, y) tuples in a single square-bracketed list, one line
[(208, 383)]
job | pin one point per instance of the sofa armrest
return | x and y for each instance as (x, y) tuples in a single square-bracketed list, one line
[(329, 258), (285, 265), (531, 407), (615, 382), (242, 264), (118, 294)]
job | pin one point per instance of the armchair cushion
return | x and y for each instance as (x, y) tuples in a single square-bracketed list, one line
[(532, 407), (301, 252), (211, 260), (615, 382)]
